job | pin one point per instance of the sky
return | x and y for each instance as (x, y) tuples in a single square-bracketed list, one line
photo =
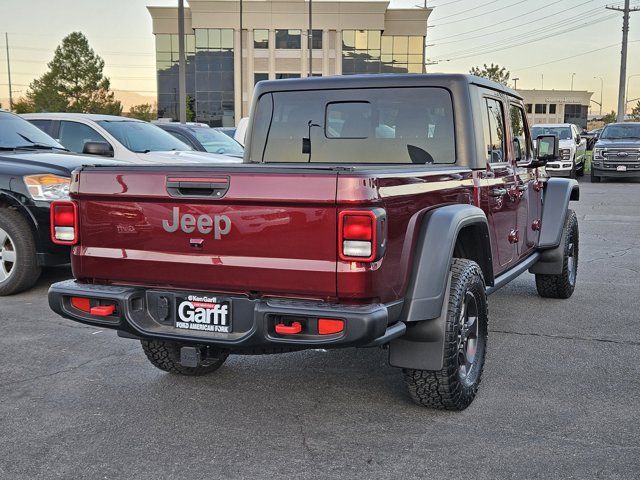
[(537, 40)]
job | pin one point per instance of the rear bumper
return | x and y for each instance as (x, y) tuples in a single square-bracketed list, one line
[(140, 313)]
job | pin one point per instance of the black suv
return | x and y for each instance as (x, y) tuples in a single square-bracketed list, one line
[(203, 138), (617, 152), (34, 170)]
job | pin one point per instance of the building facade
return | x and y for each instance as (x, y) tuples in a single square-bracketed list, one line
[(348, 37), (557, 106)]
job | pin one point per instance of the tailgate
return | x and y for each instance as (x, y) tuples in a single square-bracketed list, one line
[(219, 230)]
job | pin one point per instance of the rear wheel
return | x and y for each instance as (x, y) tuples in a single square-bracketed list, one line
[(166, 356), (455, 386), (19, 268), (563, 285)]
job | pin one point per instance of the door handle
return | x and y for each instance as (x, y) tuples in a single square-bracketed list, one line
[(498, 192)]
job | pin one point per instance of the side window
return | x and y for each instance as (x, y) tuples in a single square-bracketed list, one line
[(521, 139), (74, 135), (494, 131), (44, 125)]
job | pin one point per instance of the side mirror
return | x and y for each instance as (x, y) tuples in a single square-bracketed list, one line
[(98, 148), (547, 150), (578, 139)]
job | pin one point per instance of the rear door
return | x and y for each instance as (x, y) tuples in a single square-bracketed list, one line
[(255, 230), (500, 184)]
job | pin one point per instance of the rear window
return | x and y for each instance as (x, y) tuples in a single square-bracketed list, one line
[(379, 125)]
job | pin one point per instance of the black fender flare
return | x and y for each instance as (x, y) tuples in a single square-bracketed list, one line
[(425, 305), (557, 195), (433, 255)]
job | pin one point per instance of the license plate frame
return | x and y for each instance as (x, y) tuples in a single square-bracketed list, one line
[(621, 168), (203, 313)]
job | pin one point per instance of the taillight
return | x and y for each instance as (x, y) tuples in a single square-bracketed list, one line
[(64, 223), (362, 234)]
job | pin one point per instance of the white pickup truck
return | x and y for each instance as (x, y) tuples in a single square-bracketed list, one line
[(572, 149)]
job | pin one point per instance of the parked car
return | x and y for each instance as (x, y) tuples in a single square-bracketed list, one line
[(617, 152), (202, 138), (34, 170), (331, 238), (573, 149), (122, 138)]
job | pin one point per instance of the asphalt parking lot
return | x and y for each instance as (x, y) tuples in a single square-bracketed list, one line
[(560, 396)]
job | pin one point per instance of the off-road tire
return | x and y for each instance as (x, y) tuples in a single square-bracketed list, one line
[(580, 170), (574, 171), (166, 356), (563, 285), (447, 389), (594, 178), (25, 271)]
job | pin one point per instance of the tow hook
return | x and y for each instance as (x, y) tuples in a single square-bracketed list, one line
[(294, 328)]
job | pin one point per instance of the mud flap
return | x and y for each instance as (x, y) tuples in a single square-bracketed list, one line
[(422, 346)]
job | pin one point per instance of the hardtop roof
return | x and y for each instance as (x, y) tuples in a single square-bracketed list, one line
[(380, 81)]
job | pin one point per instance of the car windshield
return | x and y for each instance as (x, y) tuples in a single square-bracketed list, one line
[(16, 132), (621, 131), (142, 137), (563, 133), (217, 142)]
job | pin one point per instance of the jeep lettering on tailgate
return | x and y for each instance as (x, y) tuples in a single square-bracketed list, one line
[(219, 224)]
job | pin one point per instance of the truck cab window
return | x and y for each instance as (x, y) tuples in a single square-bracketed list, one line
[(521, 141), (494, 131), (365, 126)]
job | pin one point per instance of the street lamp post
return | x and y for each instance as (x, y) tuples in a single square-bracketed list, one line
[(572, 75), (515, 83), (601, 88)]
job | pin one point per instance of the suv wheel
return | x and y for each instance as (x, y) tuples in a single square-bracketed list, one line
[(19, 268), (455, 386), (563, 285), (166, 356), (594, 178)]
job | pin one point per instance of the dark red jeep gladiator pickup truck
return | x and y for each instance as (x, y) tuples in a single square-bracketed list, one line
[(376, 210)]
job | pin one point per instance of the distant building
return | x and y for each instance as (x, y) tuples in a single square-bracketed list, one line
[(348, 37), (557, 106)]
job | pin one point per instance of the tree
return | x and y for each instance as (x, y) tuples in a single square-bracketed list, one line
[(609, 117), (74, 82), (190, 114), (144, 111), (492, 72), (635, 112)]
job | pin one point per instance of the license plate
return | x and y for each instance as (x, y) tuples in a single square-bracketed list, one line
[(621, 168), (203, 313)]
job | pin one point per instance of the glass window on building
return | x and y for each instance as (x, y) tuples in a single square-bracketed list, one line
[(552, 108), (261, 39), (167, 59), (214, 77), (529, 107), (316, 39), (284, 76), (367, 51), (258, 77), (541, 108), (288, 39)]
